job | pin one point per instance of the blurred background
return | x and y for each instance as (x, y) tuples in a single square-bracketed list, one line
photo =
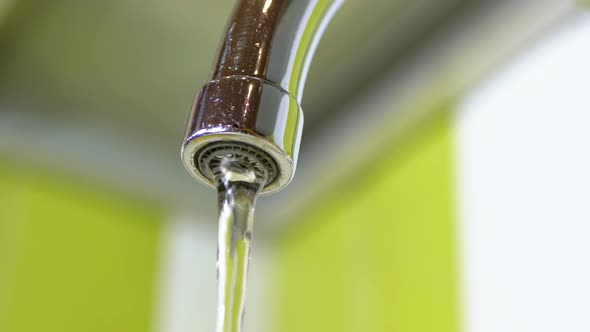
[(442, 185)]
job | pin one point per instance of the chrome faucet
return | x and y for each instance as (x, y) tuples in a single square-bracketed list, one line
[(250, 109)]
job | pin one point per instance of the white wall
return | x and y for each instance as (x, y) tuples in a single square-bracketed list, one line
[(524, 154)]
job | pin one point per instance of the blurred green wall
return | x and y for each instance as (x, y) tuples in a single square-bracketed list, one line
[(379, 255), (74, 259)]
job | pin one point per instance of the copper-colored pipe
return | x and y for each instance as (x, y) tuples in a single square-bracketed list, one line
[(232, 98), (255, 90), (245, 49)]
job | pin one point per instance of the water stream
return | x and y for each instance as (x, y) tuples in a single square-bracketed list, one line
[(238, 189)]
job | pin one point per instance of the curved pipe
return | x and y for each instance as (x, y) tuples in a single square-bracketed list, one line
[(274, 40), (256, 86)]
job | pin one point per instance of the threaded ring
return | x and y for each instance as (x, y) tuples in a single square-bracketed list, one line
[(208, 160)]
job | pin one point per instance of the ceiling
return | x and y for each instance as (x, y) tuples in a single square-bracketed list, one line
[(102, 89), (128, 70), (134, 66)]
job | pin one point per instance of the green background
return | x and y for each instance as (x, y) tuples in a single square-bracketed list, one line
[(73, 258), (375, 254), (378, 255)]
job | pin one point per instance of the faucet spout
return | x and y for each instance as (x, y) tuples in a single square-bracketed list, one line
[(250, 108)]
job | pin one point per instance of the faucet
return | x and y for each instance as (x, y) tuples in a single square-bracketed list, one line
[(250, 109)]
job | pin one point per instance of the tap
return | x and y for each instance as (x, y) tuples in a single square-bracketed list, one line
[(250, 109)]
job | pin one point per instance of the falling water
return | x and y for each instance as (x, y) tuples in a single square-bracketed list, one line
[(238, 188)]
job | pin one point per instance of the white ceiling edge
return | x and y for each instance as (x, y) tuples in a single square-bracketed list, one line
[(90, 152)]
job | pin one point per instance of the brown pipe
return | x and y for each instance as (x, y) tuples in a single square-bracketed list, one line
[(245, 49), (232, 98), (255, 88)]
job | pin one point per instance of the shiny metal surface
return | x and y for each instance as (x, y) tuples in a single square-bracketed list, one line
[(257, 83)]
